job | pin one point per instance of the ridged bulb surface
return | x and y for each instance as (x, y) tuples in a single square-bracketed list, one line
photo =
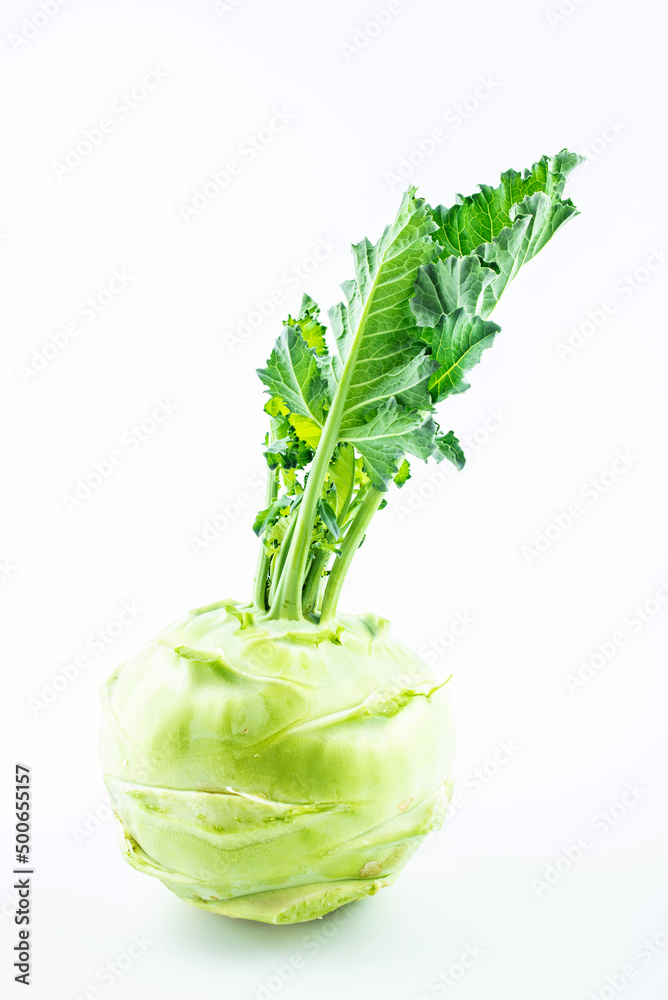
[(275, 770)]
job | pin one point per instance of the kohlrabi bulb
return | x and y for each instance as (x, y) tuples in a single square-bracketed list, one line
[(275, 770)]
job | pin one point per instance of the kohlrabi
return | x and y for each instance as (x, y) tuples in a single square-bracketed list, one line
[(277, 758)]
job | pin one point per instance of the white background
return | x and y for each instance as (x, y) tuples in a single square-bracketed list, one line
[(505, 83)]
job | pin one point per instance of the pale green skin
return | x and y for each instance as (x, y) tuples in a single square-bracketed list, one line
[(265, 771)]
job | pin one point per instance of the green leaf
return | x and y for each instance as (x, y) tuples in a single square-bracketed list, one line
[(268, 515), (448, 447), (535, 221), (288, 451), (407, 382), (306, 429), (446, 285), (329, 518), (361, 478), (458, 341), (377, 335), (403, 475), (384, 372), (390, 434), (311, 328), (481, 217), (488, 236), (342, 476), (413, 323), (279, 446), (275, 407), (298, 376)]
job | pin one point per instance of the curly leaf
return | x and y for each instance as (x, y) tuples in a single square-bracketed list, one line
[(298, 376), (390, 434), (311, 328), (448, 447), (481, 217), (458, 341)]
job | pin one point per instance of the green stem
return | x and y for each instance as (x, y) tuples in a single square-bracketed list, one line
[(288, 597), (313, 579), (349, 547), (280, 559), (260, 582), (287, 602)]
